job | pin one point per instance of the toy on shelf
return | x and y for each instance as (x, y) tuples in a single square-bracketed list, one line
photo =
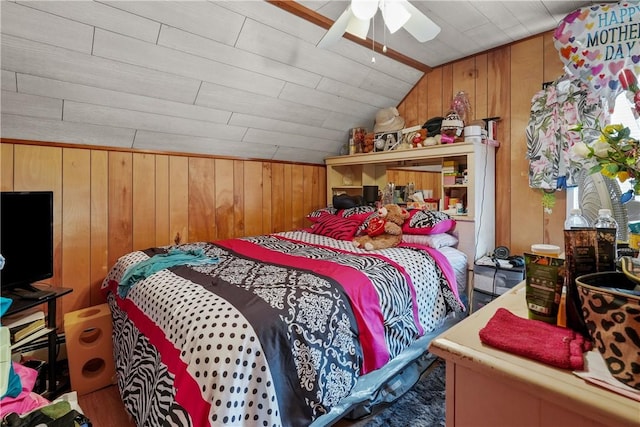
[(462, 106), (451, 129)]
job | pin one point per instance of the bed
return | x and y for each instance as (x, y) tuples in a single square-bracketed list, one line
[(285, 329)]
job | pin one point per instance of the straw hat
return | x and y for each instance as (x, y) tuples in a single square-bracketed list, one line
[(388, 120)]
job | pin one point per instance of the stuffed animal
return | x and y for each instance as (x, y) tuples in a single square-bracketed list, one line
[(385, 231), (451, 129), (418, 138)]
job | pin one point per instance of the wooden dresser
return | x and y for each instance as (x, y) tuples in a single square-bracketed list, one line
[(489, 387)]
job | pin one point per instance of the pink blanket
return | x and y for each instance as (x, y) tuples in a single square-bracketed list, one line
[(27, 400)]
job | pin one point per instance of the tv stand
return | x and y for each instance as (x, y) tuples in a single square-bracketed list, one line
[(30, 292), (21, 304), (29, 287)]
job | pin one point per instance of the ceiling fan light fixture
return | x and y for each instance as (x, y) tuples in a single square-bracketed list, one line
[(364, 9), (395, 15), (358, 27)]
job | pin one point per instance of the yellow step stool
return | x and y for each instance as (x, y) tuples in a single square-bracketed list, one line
[(88, 336)]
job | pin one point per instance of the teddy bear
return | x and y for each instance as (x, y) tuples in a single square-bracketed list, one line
[(385, 230)]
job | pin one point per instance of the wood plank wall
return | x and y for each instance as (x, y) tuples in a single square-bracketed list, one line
[(421, 180), (110, 202), (501, 83)]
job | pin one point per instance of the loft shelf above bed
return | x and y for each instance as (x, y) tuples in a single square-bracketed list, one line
[(476, 234), (411, 157)]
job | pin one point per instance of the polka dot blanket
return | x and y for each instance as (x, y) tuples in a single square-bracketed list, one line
[(275, 333)]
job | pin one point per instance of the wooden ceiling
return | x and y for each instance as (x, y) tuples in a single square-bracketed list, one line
[(228, 78)]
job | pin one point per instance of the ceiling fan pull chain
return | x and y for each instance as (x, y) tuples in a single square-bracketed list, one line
[(384, 39), (373, 41)]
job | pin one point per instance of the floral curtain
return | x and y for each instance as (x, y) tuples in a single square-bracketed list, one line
[(556, 109)]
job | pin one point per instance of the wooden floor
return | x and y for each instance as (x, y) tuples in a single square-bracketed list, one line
[(105, 409)]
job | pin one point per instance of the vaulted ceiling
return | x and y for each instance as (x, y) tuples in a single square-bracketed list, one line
[(228, 78)]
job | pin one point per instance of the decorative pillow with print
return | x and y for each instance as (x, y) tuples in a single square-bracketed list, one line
[(337, 227), (428, 222), (359, 213), (315, 215), (362, 230)]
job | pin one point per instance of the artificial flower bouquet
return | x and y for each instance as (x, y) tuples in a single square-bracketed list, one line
[(615, 154)]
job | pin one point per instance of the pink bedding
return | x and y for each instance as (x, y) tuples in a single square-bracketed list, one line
[(277, 331)]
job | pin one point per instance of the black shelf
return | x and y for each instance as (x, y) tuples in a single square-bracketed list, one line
[(20, 304)]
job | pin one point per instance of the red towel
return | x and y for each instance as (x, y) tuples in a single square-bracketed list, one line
[(537, 340)]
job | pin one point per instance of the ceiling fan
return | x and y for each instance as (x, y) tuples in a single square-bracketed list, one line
[(395, 13)]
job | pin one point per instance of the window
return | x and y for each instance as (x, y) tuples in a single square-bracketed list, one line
[(622, 113)]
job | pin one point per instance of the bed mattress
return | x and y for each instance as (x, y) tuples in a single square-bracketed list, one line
[(458, 261)]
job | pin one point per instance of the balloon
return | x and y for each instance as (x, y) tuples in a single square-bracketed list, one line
[(600, 44)]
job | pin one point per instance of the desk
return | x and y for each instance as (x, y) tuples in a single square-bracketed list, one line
[(490, 387), (19, 305)]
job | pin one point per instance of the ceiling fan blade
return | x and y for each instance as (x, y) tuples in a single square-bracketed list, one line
[(358, 27), (337, 29), (395, 15), (419, 25)]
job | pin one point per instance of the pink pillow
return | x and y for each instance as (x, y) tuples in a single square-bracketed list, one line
[(336, 227), (359, 213), (428, 222), (315, 215)]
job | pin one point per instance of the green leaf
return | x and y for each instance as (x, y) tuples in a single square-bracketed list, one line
[(548, 200), (624, 132), (595, 169)]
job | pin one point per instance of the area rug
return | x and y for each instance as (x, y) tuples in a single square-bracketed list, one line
[(422, 406)]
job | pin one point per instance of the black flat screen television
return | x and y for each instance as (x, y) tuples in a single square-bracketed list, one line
[(26, 238)]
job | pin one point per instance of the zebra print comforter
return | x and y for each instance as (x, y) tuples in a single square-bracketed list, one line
[(275, 333)]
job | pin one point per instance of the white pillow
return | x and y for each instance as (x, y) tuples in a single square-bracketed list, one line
[(436, 241)]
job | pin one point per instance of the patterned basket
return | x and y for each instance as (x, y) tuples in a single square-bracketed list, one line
[(612, 317)]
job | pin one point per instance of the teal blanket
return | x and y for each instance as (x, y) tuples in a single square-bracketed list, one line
[(146, 268)]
